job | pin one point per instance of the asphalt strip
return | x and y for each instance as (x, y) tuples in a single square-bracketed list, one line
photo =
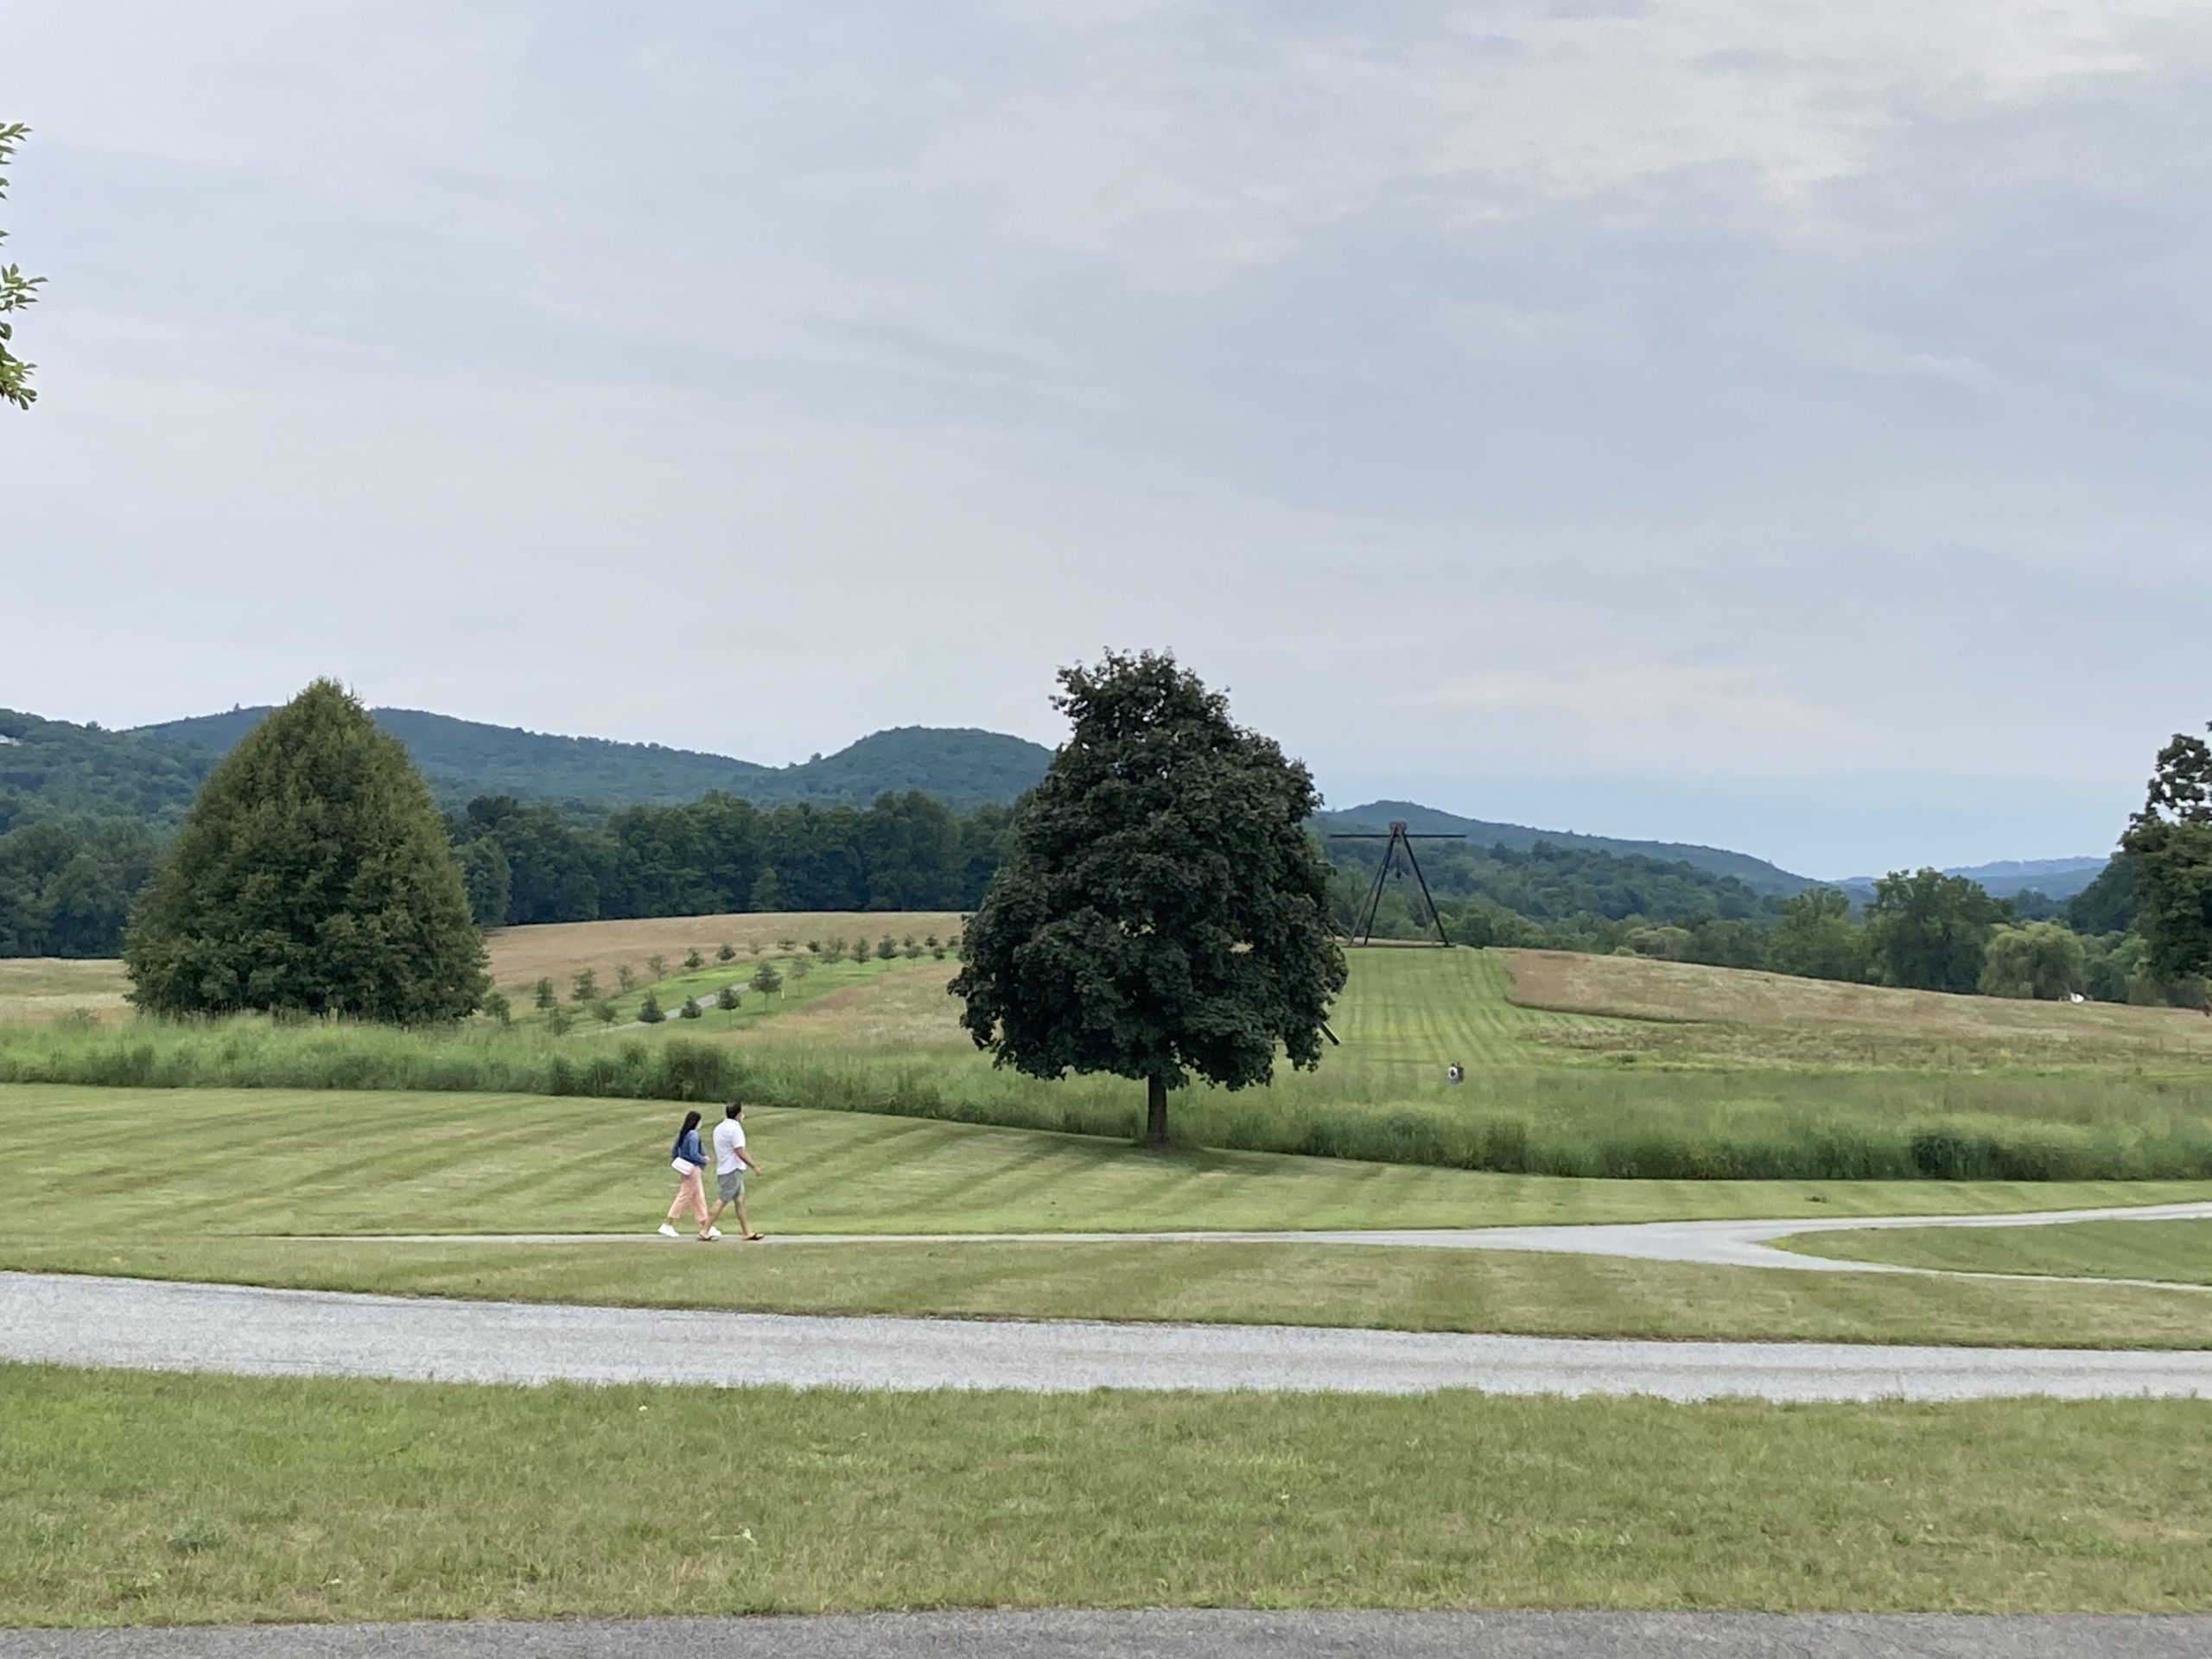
[(155, 1325), (1198, 1634)]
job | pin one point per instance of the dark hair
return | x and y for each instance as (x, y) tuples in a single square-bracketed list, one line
[(733, 1109), (690, 1122)]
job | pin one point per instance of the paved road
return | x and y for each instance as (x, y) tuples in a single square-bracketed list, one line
[(152, 1325), (1712, 1243), (1201, 1634)]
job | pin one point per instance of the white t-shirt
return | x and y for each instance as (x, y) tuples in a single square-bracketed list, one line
[(729, 1141)]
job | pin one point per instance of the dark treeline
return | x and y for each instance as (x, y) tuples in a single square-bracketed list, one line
[(1922, 930), (68, 881), (526, 864), (1549, 882), (67, 884)]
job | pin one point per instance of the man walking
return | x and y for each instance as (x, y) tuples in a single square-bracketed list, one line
[(730, 1164)]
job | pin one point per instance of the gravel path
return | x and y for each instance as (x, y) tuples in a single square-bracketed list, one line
[(1194, 1635), (1711, 1243), (153, 1324)]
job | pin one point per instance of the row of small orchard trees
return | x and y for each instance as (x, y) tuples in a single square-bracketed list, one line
[(1161, 911), (767, 979)]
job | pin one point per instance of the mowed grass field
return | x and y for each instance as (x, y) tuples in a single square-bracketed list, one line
[(2172, 1252), (35, 991), (331, 1161), (1689, 1012), (153, 1499), (250, 1186)]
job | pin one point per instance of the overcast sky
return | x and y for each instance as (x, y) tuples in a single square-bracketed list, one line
[(1777, 425)]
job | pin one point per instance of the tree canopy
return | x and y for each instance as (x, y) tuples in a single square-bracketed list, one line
[(2044, 960), (16, 291), (312, 874), (1928, 931), (1160, 909), (2170, 845)]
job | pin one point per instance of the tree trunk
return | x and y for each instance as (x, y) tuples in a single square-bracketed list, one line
[(1155, 1112)]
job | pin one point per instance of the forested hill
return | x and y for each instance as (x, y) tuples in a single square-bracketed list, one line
[(49, 768), (1755, 873), (464, 758)]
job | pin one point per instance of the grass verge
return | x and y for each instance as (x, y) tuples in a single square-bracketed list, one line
[(2176, 1252), (1520, 1292), (147, 1499)]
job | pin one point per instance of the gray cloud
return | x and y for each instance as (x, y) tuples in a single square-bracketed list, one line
[(1775, 427)]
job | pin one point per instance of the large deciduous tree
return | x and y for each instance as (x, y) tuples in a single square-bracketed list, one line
[(2044, 960), (1815, 938), (1161, 910), (16, 291), (2170, 845), (1928, 932), (312, 875)]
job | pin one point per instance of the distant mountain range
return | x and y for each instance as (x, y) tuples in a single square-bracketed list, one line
[(960, 766), (149, 774), (2054, 878), (1754, 873)]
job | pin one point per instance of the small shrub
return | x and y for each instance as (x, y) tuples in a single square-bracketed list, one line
[(930, 941), (787, 946), (649, 1011), (626, 977), (692, 961), (767, 979), (605, 1012), (545, 997), (800, 970), (725, 951), (657, 966), (689, 1010), (729, 996), (754, 945), (886, 948), (937, 950), (913, 949), (586, 986), (813, 947)]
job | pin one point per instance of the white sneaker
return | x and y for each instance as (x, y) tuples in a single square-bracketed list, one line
[(713, 1232), (666, 1230)]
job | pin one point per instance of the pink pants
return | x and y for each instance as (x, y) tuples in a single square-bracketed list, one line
[(690, 1195)]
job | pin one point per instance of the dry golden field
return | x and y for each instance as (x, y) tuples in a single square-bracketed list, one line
[(1736, 1011), (523, 955), (34, 990)]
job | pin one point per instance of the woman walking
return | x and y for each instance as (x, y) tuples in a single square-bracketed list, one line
[(686, 1158)]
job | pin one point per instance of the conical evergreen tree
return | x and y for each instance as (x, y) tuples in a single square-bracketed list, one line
[(312, 875)]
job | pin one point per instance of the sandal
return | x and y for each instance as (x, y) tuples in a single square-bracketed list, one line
[(755, 1238)]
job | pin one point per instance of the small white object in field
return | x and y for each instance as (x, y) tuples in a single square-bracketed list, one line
[(2075, 997)]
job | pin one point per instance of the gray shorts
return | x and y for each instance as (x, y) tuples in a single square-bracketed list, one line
[(731, 1186)]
